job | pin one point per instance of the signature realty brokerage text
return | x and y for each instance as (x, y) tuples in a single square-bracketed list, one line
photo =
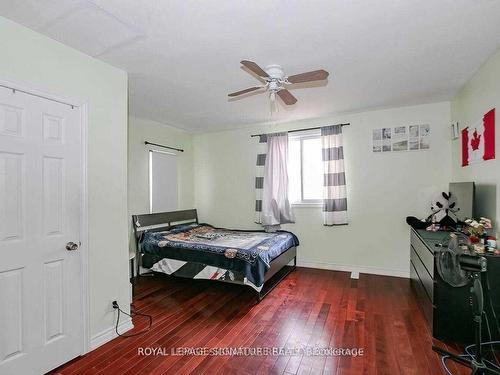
[(251, 351)]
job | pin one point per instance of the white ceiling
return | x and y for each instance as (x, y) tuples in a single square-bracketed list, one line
[(183, 55)]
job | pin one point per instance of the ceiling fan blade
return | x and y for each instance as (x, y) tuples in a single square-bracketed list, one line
[(254, 68), (287, 97), (241, 92), (316, 75)]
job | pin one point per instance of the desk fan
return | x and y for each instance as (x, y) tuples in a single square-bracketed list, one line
[(458, 268)]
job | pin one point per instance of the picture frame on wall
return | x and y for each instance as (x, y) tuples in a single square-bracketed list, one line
[(415, 137), (455, 131)]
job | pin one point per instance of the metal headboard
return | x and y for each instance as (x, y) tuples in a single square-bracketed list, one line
[(159, 221)]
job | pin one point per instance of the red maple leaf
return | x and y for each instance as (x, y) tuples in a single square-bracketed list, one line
[(476, 139)]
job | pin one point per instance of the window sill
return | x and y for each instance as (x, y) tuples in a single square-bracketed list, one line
[(307, 205)]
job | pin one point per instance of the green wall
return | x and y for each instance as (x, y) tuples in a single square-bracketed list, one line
[(480, 94), (382, 188), (141, 130), (36, 61)]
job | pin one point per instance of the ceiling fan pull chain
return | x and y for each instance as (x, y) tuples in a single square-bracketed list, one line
[(270, 104)]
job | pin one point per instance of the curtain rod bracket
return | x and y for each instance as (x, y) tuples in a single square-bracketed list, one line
[(158, 145)]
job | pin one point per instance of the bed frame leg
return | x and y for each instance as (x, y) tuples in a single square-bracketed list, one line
[(275, 280), (259, 296)]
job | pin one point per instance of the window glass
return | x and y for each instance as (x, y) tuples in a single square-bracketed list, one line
[(305, 169), (312, 169), (294, 184)]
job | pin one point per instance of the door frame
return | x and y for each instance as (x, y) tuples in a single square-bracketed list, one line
[(28, 88)]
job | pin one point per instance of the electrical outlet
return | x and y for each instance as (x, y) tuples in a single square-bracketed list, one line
[(113, 306)]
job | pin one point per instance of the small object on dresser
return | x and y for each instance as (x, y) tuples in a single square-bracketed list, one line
[(434, 227), (479, 249), (477, 230), (491, 242)]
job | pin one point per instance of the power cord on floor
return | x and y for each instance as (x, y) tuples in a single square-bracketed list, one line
[(117, 307), (443, 362), (491, 339), (470, 353)]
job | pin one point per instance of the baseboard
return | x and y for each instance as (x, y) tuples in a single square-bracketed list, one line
[(110, 334), (351, 268)]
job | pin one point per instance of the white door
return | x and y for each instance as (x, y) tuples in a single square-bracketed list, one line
[(41, 324)]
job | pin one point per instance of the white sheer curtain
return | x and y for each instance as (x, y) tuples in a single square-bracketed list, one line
[(276, 208)]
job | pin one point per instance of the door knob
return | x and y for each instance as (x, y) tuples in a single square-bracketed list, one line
[(71, 246)]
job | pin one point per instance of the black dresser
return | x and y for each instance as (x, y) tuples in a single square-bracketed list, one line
[(447, 309)]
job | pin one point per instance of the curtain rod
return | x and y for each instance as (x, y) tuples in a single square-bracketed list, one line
[(300, 130), (14, 90), (156, 144)]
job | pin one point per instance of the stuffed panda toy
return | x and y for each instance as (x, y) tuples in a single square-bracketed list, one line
[(443, 212)]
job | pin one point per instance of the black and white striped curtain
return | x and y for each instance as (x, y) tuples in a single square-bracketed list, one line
[(259, 177), (334, 185)]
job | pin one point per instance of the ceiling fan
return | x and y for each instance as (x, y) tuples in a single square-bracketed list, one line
[(276, 81)]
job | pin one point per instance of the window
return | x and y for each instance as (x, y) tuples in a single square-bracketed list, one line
[(162, 181), (305, 168)]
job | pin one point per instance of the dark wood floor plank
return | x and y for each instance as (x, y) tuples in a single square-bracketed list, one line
[(309, 309), (160, 306), (236, 337), (238, 364), (223, 339), (331, 363), (216, 323), (303, 364), (190, 325), (280, 366), (128, 350)]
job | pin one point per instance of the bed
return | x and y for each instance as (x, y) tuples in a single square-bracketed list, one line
[(175, 243)]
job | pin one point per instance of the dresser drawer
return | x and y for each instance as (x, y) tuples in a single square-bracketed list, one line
[(423, 252), (424, 302), (424, 276)]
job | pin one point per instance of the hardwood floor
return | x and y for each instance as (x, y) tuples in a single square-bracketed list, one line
[(310, 308)]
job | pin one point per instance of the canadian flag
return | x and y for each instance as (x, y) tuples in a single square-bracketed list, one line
[(478, 141)]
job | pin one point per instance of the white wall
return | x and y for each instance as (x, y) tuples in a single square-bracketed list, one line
[(35, 60), (382, 188), (141, 130), (477, 97)]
